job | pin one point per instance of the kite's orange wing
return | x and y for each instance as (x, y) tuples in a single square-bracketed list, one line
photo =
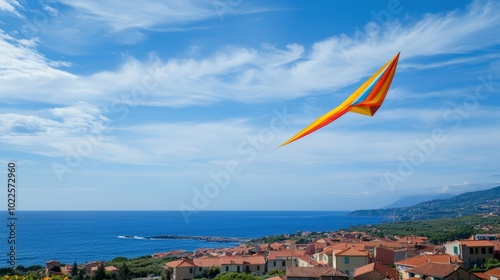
[(365, 100)]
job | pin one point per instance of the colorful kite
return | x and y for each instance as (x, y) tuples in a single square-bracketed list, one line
[(365, 100)]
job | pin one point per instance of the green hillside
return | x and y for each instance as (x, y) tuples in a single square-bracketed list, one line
[(438, 230), (471, 203)]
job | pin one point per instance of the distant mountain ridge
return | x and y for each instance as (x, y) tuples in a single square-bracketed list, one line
[(470, 203), (412, 200)]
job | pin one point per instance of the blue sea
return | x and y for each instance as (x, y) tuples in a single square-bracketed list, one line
[(81, 236)]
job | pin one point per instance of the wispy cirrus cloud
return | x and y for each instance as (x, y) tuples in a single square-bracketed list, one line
[(247, 74), (149, 15)]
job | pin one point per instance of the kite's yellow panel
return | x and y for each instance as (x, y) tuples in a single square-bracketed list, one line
[(365, 100)]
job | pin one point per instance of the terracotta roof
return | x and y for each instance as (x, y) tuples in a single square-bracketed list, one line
[(496, 243), (440, 270), (344, 245), (180, 263), (111, 268), (482, 275), (276, 246), (313, 272), (413, 239), (218, 261), (476, 243), (285, 253), (351, 252), (378, 267), (494, 272), (328, 250), (206, 261), (377, 243), (430, 258)]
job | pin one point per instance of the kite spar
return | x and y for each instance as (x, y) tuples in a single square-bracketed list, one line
[(365, 100)]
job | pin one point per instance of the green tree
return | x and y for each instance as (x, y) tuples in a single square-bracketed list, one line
[(210, 272), (124, 272), (276, 272), (100, 273), (237, 276), (166, 274), (74, 270), (81, 275)]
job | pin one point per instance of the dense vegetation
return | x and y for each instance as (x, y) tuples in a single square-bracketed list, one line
[(141, 266), (471, 203), (438, 230), (298, 238)]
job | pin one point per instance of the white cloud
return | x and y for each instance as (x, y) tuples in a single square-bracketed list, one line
[(10, 6), (50, 128), (246, 74), (123, 15)]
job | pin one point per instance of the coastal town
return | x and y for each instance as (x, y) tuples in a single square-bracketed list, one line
[(338, 255)]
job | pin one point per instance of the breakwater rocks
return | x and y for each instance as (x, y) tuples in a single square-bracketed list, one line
[(215, 239)]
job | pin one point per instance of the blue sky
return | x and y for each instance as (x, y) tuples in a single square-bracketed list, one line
[(167, 105)]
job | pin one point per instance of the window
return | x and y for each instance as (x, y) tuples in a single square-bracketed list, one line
[(346, 260), (490, 250), (411, 274), (283, 263), (455, 250), (471, 251), (274, 263), (248, 268), (227, 268), (190, 270), (238, 269), (475, 250), (483, 250), (258, 267), (199, 269)]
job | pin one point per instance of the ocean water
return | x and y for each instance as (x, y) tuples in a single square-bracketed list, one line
[(82, 236)]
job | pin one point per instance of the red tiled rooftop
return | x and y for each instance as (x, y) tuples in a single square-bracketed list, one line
[(340, 247), (439, 270), (380, 268), (377, 243), (352, 252), (274, 278), (207, 261), (430, 258), (313, 272), (476, 243), (413, 239), (482, 275), (180, 263), (111, 268), (494, 272)]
